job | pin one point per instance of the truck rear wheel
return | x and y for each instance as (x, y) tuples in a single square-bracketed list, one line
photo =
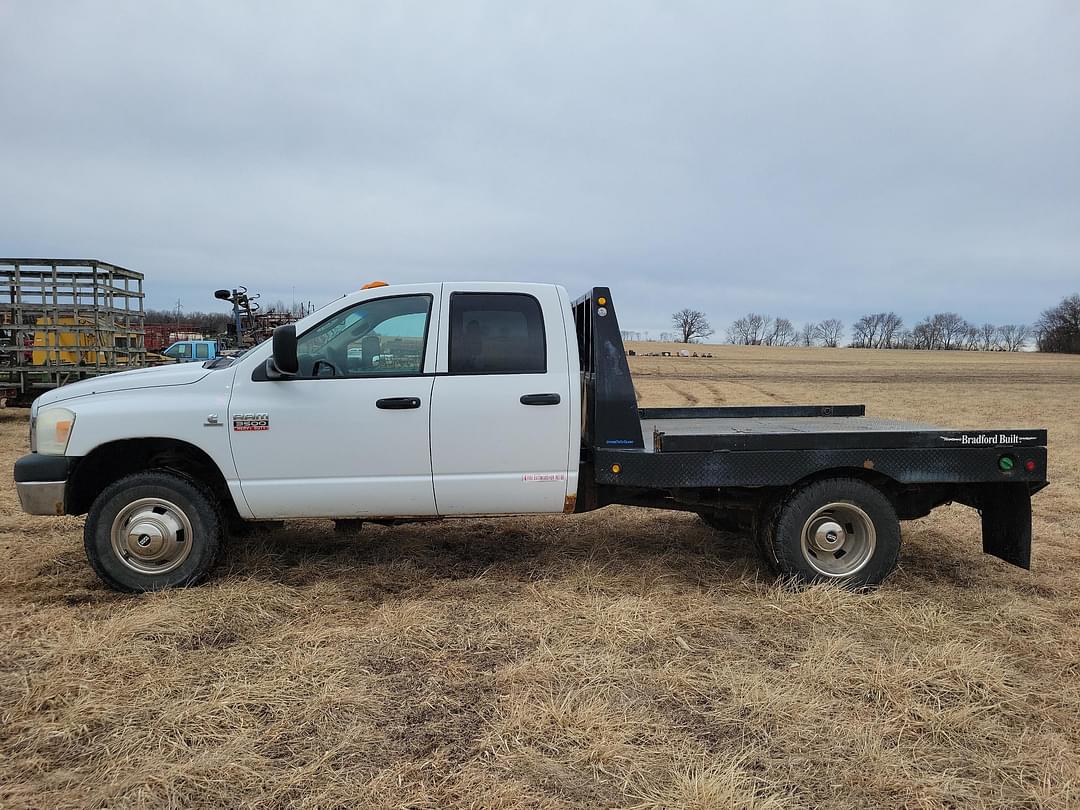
[(839, 530), (153, 530)]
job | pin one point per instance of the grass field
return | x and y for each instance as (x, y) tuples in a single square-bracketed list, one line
[(621, 658)]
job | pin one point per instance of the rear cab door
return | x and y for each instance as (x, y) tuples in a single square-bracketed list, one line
[(504, 415)]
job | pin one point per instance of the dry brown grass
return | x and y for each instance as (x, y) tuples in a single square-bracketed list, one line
[(622, 658)]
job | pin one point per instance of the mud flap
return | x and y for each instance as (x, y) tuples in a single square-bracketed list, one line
[(1006, 522)]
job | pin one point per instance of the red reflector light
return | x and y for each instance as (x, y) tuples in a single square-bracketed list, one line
[(1029, 465)]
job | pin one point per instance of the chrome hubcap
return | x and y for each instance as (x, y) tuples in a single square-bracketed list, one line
[(151, 536), (838, 539)]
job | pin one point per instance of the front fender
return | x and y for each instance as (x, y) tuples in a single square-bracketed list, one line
[(179, 413)]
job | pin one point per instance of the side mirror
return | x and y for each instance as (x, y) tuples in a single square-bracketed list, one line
[(284, 362)]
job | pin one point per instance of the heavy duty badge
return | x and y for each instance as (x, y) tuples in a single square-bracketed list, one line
[(251, 421)]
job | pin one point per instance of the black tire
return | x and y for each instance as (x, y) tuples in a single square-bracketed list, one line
[(839, 530), (193, 504)]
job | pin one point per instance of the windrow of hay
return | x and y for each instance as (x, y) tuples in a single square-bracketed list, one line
[(619, 659)]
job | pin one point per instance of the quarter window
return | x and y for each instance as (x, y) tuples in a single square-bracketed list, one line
[(202, 351), (377, 338), (496, 333)]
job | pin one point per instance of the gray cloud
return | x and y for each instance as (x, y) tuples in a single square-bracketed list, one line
[(809, 160)]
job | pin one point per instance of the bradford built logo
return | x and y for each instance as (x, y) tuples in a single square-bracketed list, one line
[(994, 439)]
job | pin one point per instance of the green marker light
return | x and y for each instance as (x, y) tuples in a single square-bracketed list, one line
[(1005, 463)]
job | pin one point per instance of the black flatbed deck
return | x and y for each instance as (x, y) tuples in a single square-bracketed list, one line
[(733, 434), (816, 427)]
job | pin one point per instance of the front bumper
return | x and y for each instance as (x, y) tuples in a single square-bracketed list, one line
[(41, 482)]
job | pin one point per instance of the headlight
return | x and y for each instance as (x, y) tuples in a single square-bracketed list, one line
[(52, 431)]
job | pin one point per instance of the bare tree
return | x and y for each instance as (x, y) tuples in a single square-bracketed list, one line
[(951, 328), (890, 324), (739, 331), (877, 331), (808, 333), (747, 330), (831, 332), (1058, 328), (944, 330), (764, 325), (781, 333), (691, 324), (988, 337), (925, 335), (1012, 337), (864, 332)]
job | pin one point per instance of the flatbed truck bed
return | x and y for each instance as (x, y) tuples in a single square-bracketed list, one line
[(740, 467)]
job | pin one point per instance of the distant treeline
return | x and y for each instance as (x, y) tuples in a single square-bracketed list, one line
[(210, 323), (1057, 330), (881, 330), (215, 323)]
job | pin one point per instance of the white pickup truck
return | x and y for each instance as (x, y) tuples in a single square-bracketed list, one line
[(441, 400)]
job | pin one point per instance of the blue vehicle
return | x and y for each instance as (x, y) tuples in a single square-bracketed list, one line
[(189, 351)]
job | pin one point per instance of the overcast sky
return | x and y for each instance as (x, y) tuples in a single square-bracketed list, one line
[(803, 159)]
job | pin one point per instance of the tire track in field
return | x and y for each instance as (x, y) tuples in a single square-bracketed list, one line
[(684, 392), (726, 391), (717, 391)]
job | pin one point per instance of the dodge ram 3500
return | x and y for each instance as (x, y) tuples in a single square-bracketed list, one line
[(440, 400)]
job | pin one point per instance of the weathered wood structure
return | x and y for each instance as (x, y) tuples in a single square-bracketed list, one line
[(63, 320)]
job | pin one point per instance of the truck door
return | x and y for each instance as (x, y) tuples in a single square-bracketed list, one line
[(348, 436), (500, 417)]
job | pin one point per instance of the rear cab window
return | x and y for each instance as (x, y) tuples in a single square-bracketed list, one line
[(496, 333)]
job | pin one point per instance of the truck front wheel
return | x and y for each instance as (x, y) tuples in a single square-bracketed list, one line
[(153, 530), (839, 530)]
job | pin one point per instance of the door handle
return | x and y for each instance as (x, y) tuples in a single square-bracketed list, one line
[(540, 399), (397, 403)]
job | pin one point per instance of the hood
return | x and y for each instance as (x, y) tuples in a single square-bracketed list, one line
[(157, 377)]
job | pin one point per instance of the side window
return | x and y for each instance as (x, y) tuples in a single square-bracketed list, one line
[(376, 338), (496, 333), (202, 351), (178, 350)]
